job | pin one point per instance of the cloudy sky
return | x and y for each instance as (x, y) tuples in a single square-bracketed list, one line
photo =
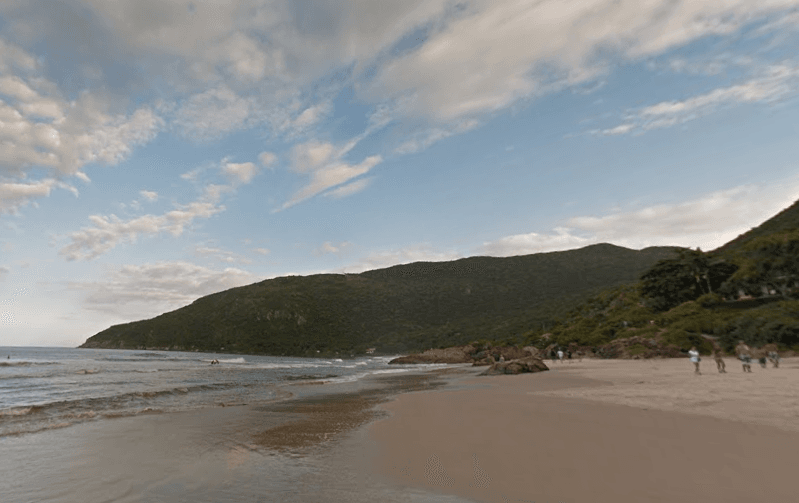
[(155, 151)]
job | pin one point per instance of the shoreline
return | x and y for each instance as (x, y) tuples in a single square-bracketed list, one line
[(295, 449), (600, 430)]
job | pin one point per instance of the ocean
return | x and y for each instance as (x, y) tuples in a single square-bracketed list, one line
[(124, 425)]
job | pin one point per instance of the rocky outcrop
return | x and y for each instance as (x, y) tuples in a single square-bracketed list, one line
[(465, 354), (519, 366), (456, 354)]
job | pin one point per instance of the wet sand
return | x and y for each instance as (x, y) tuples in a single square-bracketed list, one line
[(600, 430), (305, 446)]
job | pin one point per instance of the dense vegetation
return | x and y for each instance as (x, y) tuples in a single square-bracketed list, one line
[(748, 292), (399, 309), (747, 289)]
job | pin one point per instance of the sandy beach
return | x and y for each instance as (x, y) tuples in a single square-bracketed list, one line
[(600, 430)]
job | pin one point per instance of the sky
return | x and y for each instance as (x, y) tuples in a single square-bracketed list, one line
[(156, 151)]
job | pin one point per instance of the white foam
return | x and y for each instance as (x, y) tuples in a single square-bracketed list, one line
[(16, 412), (390, 371), (286, 366), (232, 360)]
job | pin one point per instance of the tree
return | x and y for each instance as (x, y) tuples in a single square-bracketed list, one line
[(670, 282)]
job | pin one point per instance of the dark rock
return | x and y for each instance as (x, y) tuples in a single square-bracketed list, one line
[(519, 366), (463, 354)]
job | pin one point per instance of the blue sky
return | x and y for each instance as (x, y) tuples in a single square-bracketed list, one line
[(155, 151)]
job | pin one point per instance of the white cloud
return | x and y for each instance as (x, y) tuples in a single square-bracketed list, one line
[(109, 231), (41, 129), (524, 244), (328, 248), (706, 222), (349, 189), (261, 251), (14, 58), (415, 253), (267, 159), (307, 118), (149, 195), (331, 175), (212, 113), (497, 52), (240, 172), (423, 140), (16, 195), (134, 291), (322, 161), (775, 83), (221, 255), (247, 60)]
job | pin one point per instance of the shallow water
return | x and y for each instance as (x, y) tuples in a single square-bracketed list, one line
[(45, 388), (136, 426)]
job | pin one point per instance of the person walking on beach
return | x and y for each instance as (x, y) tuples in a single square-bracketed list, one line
[(772, 354), (719, 361), (694, 354), (560, 355), (745, 355)]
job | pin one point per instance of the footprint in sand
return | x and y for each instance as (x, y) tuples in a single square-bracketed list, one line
[(481, 478), (435, 473)]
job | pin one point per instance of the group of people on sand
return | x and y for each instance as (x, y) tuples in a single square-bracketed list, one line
[(744, 354)]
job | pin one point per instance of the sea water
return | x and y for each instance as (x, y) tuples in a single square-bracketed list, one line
[(132, 426), (45, 388)]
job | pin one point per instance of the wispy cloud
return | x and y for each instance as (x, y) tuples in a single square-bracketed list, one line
[(707, 222), (349, 189), (422, 252), (41, 129), (239, 172), (150, 195), (16, 195), (109, 231), (267, 159), (221, 255), (424, 139), (322, 161), (332, 248), (134, 291), (777, 82)]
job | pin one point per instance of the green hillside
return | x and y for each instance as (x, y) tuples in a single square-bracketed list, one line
[(786, 220), (745, 290), (399, 309)]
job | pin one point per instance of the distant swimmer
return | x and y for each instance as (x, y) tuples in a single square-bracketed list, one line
[(745, 355), (214, 362)]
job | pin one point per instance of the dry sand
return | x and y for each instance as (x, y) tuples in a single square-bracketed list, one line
[(601, 430)]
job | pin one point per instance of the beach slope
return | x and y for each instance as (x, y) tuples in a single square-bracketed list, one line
[(621, 431)]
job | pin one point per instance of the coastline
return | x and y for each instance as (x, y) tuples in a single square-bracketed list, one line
[(299, 447), (600, 430)]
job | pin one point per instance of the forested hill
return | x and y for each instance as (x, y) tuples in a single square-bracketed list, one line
[(745, 290), (786, 220), (402, 308)]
